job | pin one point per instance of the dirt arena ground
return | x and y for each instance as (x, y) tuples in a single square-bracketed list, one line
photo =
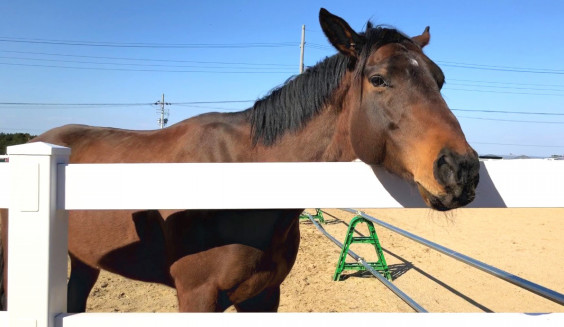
[(526, 242)]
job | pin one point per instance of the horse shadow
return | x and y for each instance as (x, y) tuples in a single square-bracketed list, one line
[(406, 194), (162, 241)]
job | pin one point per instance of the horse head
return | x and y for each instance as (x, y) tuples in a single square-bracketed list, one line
[(398, 118)]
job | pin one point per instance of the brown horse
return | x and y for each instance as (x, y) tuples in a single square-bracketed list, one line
[(378, 99)]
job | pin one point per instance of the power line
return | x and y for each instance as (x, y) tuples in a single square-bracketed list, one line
[(500, 92), (515, 121), (447, 87), (262, 45), (212, 107), (501, 68), (320, 46), (117, 104), (130, 64), (70, 104), (505, 87), (510, 112), (504, 83), (149, 70), (516, 144), (149, 45), (150, 60), (212, 102)]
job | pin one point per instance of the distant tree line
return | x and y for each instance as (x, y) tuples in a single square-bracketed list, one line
[(7, 139)]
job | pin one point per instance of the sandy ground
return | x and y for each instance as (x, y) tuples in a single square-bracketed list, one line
[(526, 242)]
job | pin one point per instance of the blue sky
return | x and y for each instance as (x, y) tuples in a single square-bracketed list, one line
[(497, 56)]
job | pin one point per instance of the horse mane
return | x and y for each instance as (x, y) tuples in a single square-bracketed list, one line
[(290, 106)]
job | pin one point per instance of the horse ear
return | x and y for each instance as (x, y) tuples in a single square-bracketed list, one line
[(423, 39), (340, 34)]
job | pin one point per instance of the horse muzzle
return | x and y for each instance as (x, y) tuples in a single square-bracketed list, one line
[(458, 175)]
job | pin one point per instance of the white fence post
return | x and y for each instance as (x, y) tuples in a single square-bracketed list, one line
[(37, 240)]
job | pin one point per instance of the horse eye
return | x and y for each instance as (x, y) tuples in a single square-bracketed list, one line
[(378, 81)]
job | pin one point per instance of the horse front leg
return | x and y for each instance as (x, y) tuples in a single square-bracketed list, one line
[(266, 301), (204, 298), (196, 286)]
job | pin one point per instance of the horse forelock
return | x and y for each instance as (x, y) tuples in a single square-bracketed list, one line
[(376, 37)]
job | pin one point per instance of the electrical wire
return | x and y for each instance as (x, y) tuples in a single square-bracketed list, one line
[(212, 102), (504, 87), (500, 68), (71, 104), (501, 92), (510, 112), (130, 64), (119, 104), (149, 60), (261, 45), (150, 70), (514, 121), (560, 86), (518, 144), (149, 45)]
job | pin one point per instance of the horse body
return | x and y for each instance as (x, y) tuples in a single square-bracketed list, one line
[(223, 256), (378, 100), (194, 251)]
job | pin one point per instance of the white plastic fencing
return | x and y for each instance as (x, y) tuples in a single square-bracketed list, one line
[(42, 186)]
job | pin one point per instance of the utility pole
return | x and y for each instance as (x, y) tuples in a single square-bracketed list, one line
[(163, 112), (302, 46)]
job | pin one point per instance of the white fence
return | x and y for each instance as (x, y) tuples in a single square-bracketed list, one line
[(43, 186)]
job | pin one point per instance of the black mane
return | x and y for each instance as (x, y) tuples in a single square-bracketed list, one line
[(290, 106)]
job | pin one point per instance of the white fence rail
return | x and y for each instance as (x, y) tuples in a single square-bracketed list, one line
[(43, 186), (503, 183)]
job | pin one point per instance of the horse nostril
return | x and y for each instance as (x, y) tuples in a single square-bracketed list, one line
[(445, 171), (459, 176), (453, 169)]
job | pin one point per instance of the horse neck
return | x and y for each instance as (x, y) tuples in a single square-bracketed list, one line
[(325, 137)]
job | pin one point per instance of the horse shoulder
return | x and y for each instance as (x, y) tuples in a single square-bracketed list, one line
[(216, 138)]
